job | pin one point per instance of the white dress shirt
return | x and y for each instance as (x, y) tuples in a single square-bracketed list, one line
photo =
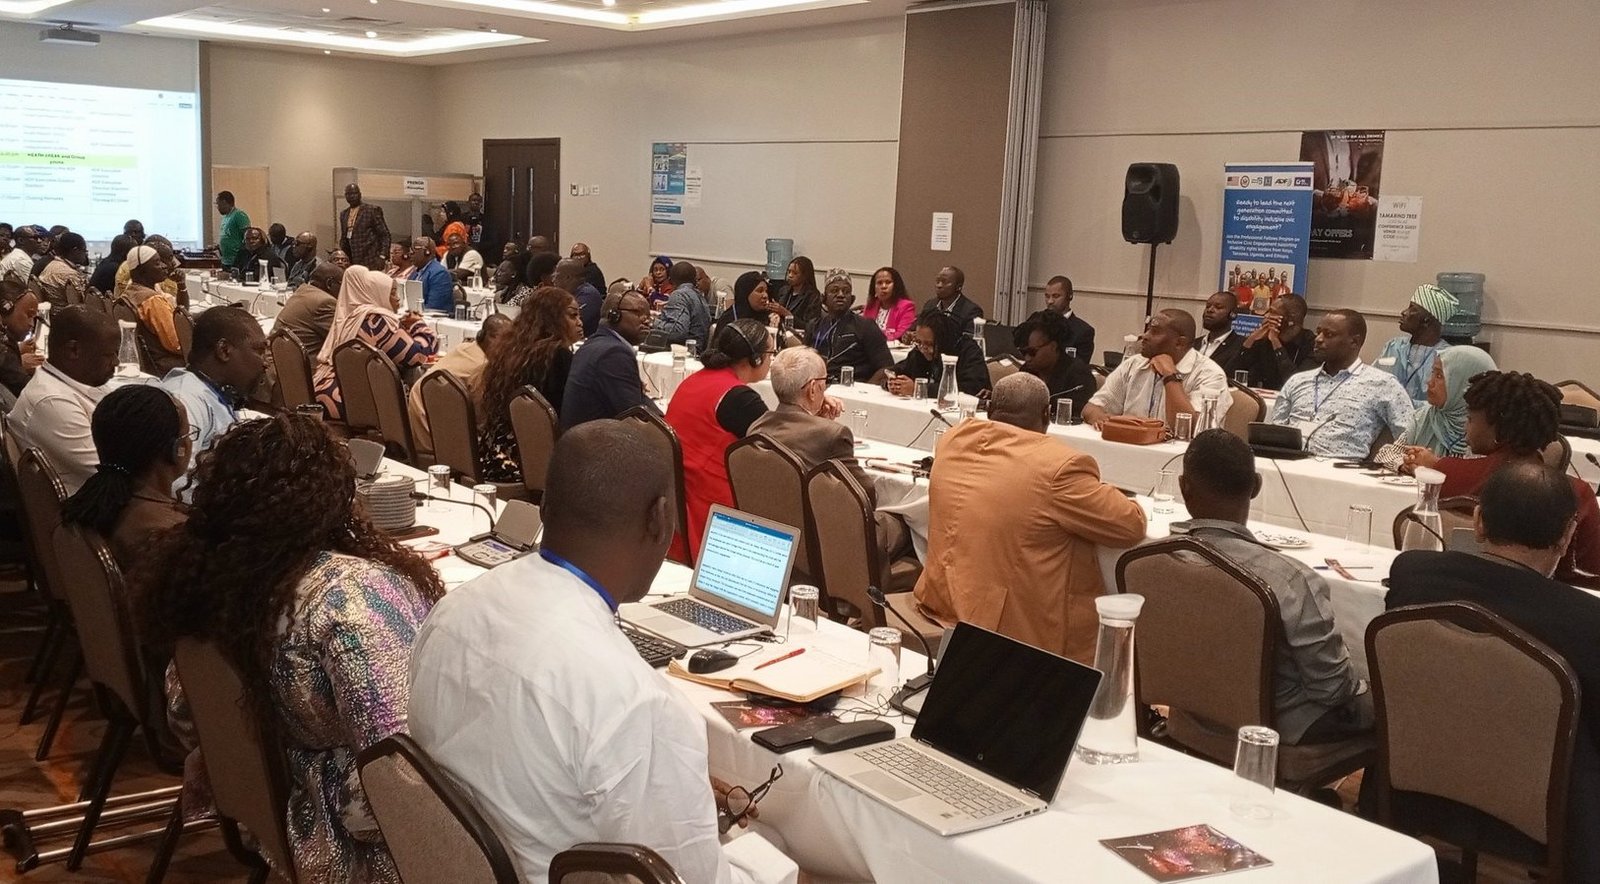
[(1208, 345), (17, 265), (1132, 388), (525, 690), (53, 415)]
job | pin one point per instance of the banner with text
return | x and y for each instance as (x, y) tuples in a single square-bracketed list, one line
[(1266, 231), (669, 174)]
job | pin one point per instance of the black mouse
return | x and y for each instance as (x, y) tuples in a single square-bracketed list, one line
[(710, 660)]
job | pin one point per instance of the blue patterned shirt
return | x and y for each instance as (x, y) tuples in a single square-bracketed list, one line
[(1411, 364), (1340, 415)]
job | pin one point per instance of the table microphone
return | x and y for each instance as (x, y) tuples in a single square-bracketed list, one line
[(881, 601), (940, 415), (417, 495)]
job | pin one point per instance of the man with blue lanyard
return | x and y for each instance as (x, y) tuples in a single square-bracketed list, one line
[(1409, 357), (1342, 405), (604, 380), (438, 286), (226, 362)]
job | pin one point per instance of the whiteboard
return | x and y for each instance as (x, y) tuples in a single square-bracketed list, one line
[(835, 199)]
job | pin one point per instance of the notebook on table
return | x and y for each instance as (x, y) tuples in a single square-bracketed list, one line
[(798, 678), (992, 742)]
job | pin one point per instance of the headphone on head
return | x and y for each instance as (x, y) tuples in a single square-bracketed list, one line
[(755, 345)]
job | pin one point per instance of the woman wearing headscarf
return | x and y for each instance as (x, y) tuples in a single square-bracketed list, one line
[(655, 284), (1441, 425), (154, 307), (368, 301), (750, 300), (452, 224)]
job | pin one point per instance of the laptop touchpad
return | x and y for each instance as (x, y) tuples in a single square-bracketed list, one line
[(886, 785)]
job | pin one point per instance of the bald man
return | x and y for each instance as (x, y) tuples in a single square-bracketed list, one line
[(54, 410), (302, 258), (1168, 377), (1015, 521), (591, 270), (308, 314)]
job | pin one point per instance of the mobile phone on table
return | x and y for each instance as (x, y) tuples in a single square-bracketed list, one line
[(789, 737)]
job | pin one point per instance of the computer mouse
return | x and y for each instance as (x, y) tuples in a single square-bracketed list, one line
[(710, 660)]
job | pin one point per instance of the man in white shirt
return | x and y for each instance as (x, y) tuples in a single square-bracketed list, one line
[(18, 263), (1167, 378), (54, 410), (526, 691)]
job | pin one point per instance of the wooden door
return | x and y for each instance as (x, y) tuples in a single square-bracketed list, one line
[(521, 191)]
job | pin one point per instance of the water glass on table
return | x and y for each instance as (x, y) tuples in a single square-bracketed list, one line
[(1063, 412), (858, 423), (485, 495), (1255, 771), (1165, 494), (883, 651), (438, 485), (847, 376), (1183, 427), (1358, 527), (920, 390), (1242, 378), (803, 611)]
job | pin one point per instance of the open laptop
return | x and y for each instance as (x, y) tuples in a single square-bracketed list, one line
[(992, 742), (411, 294), (740, 580)]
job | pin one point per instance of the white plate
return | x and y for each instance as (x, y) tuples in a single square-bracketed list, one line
[(1283, 541), (1402, 481)]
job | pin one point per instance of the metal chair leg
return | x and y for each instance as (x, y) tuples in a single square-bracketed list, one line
[(49, 736), (45, 664), (168, 846), (118, 734)]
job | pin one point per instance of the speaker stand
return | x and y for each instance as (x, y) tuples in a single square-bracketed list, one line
[(1150, 286)]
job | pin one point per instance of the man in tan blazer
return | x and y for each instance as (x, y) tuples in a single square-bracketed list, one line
[(309, 311), (1015, 518)]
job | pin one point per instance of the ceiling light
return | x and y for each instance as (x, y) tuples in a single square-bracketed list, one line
[(29, 7), (609, 2), (327, 52), (727, 9), (372, 35), (326, 10), (544, 9), (450, 41)]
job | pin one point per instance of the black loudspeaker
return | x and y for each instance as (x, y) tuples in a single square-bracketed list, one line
[(1150, 203)]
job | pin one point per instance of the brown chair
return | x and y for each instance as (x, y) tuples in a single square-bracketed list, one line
[(389, 400), (454, 423), (185, 329), (626, 863), (293, 368), (769, 481), (1454, 512), (350, 368), (1203, 608), (1578, 393), (247, 768), (1477, 723), (1001, 367), (434, 833), (667, 448), (1248, 407), (42, 495), (536, 427), (846, 554), (1100, 374)]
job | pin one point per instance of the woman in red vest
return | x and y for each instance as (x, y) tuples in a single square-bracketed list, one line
[(712, 409)]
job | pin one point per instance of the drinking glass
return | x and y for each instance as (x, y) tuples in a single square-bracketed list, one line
[(1242, 378), (847, 376), (1358, 526), (1063, 412), (692, 348), (920, 391), (803, 604), (858, 423), (1183, 431), (461, 312), (1166, 493), (1255, 770), (485, 495), (883, 651), (438, 486)]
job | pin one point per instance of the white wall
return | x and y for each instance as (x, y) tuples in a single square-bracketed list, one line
[(1492, 112), (822, 84), (304, 115)]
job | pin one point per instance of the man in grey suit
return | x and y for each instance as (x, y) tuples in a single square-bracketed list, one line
[(309, 311)]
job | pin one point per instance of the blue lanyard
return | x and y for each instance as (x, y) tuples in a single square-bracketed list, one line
[(579, 573), (1412, 373)]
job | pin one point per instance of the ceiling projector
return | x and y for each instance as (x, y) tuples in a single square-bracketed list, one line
[(67, 35)]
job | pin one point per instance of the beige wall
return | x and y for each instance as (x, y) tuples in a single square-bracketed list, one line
[(303, 115), (1491, 110)]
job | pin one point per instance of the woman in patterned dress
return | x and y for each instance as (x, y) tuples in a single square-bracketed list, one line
[(368, 301), (316, 608), (537, 352)]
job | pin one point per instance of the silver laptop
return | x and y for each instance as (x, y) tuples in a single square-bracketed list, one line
[(740, 580), (411, 294), (992, 742)]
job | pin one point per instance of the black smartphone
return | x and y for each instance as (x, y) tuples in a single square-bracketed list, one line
[(789, 737)]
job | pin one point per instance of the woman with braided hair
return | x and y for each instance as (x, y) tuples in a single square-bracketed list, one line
[(316, 608), (1511, 418)]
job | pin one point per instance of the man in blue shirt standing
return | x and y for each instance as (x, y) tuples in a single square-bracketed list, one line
[(226, 362), (438, 286), (1409, 357)]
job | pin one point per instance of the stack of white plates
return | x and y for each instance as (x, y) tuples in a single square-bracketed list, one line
[(389, 504)]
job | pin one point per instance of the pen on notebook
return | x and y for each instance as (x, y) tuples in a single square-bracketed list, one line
[(794, 653)]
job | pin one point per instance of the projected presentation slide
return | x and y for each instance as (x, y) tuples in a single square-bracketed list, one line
[(92, 157)]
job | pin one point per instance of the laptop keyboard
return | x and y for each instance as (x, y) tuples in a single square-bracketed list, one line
[(655, 651), (940, 780), (704, 616)]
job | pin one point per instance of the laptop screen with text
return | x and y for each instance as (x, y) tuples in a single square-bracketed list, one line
[(744, 562), (1006, 708)]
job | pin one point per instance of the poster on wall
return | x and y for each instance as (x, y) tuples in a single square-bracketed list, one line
[(669, 175), (1347, 167), (1266, 231)]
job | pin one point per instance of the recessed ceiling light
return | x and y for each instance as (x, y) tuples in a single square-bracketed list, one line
[(609, 2), (326, 9), (327, 52), (546, 9), (494, 30), (372, 35), (726, 9)]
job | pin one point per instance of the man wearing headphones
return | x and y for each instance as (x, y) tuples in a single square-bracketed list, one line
[(604, 380), (226, 361)]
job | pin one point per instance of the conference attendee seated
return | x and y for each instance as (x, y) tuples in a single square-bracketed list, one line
[(1342, 406), (1080, 334), (657, 285), (466, 361), (1042, 341), (173, 283), (750, 300), (935, 336), (506, 283), (533, 701), (1440, 424), (1280, 347), (438, 288), (714, 408), (462, 261), (949, 298), (1409, 357), (1168, 377), (157, 328), (398, 264), (246, 264), (540, 270), (1316, 694), (604, 381), (308, 313), (889, 304), (1511, 418), (62, 281), (227, 361), (134, 228), (844, 337), (592, 273), (1217, 340), (316, 609), (278, 240), (19, 356), (17, 265), (104, 277), (1526, 518), (537, 353), (53, 412), (141, 438), (684, 316), (799, 301), (368, 301), (568, 277), (339, 258), (1015, 522), (302, 258)]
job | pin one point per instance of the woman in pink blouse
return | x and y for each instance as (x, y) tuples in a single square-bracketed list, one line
[(889, 305), (368, 301)]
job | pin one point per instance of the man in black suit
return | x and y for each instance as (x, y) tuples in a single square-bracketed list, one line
[(604, 381), (1219, 342), (1526, 517), (948, 298), (1080, 334)]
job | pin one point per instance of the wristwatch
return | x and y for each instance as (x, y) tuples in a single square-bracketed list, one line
[(1175, 376)]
